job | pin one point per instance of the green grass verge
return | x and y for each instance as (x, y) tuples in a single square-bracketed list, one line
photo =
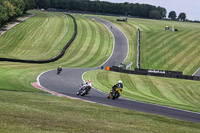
[(165, 50), (33, 113), (92, 46), (183, 94), (40, 37), (28, 110)]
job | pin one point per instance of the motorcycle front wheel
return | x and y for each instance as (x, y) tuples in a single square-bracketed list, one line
[(83, 93)]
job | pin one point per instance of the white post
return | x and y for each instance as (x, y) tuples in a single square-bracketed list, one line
[(172, 27)]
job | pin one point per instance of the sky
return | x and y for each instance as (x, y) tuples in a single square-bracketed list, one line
[(190, 7)]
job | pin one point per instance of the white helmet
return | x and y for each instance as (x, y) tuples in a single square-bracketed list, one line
[(119, 81)]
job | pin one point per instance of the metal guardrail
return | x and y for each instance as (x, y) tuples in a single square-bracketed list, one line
[(138, 48)]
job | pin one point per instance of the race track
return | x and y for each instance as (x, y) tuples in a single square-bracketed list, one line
[(68, 83)]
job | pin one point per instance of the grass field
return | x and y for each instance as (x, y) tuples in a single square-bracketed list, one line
[(26, 109), (92, 46), (35, 113), (183, 94), (40, 37), (165, 50)]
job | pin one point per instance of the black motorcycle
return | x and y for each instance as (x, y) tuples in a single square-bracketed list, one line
[(59, 70), (84, 90)]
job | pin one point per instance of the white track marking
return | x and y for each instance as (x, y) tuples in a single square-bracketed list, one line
[(196, 71)]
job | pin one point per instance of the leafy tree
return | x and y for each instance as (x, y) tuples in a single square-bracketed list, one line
[(3, 15), (43, 4), (10, 9), (182, 16), (155, 14), (14, 8), (19, 7), (172, 15), (163, 11), (29, 4)]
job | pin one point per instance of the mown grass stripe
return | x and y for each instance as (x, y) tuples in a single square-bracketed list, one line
[(155, 50), (93, 46), (97, 47), (177, 93), (132, 91), (104, 81), (160, 42), (154, 91), (84, 52), (174, 49), (187, 57), (193, 93), (185, 48), (78, 42), (39, 32)]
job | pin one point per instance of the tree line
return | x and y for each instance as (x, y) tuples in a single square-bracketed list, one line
[(10, 9), (181, 17), (137, 10)]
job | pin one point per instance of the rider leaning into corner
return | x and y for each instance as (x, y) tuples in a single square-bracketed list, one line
[(59, 69), (87, 84), (118, 85)]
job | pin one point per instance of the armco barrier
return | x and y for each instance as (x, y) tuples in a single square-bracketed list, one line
[(159, 73), (138, 49), (52, 59)]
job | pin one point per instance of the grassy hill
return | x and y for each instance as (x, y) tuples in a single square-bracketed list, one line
[(40, 37), (183, 94), (160, 49), (34, 113), (89, 49), (26, 109)]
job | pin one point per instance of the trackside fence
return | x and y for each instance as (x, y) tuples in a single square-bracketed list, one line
[(158, 73), (138, 49)]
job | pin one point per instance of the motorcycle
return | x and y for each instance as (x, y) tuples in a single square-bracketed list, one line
[(84, 90), (115, 94), (59, 71)]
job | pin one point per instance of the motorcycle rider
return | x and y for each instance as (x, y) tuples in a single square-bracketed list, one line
[(118, 85), (59, 69), (89, 84), (86, 85)]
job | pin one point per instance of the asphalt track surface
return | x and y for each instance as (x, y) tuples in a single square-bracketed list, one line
[(68, 82)]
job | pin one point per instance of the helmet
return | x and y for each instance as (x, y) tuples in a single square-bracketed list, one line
[(60, 66), (119, 81)]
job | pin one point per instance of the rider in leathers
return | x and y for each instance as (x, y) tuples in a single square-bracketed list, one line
[(87, 84), (118, 85)]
